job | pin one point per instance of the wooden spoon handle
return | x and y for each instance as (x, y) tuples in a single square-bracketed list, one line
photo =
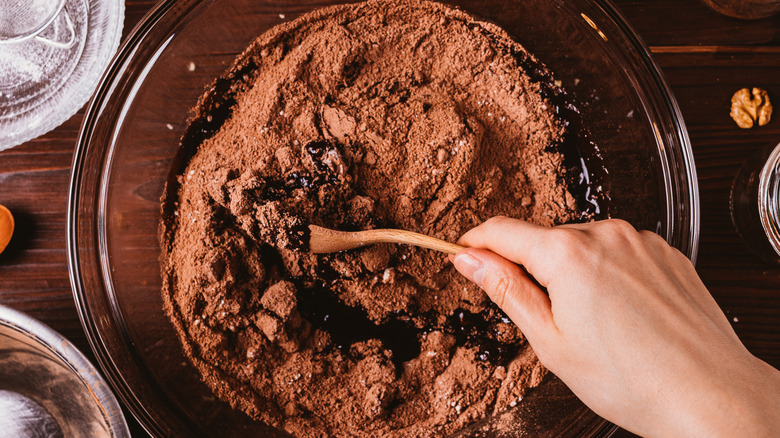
[(324, 240)]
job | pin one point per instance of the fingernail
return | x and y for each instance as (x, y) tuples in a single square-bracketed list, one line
[(471, 267)]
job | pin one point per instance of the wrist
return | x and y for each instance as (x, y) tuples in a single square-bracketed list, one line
[(743, 404)]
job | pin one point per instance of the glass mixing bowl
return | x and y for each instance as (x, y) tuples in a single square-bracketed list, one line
[(131, 134)]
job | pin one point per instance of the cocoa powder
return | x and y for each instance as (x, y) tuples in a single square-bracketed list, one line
[(402, 114)]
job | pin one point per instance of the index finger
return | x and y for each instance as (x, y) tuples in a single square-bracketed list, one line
[(519, 241)]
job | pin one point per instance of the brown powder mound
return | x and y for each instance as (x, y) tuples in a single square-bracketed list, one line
[(380, 114)]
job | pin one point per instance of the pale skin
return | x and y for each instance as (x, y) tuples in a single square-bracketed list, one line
[(627, 324)]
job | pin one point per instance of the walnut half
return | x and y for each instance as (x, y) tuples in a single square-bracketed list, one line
[(748, 109)]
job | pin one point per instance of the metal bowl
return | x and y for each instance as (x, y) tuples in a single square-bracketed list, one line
[(48, 388)]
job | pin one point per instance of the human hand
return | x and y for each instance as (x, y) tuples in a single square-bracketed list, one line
[(627, 324)]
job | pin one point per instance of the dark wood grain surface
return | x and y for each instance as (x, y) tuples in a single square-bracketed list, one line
[(705, 58)]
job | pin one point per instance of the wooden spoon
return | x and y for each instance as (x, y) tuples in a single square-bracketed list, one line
[(6, 227), (324, 240)]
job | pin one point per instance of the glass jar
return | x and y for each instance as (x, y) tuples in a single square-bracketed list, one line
[(745, 9), (755, 203)]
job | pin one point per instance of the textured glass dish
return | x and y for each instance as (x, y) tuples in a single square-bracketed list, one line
[(52, 56), (130, 138)]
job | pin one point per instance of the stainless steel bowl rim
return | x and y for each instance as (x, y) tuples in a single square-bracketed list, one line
[(49, 339)]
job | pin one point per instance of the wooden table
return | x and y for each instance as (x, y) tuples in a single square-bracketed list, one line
[(705, 57)]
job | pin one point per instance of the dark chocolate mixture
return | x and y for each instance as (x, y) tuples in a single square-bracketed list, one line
[(380, 114)]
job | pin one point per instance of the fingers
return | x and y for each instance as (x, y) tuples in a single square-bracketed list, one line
[(502, 231), (510, 288), (552, 254), (519, 241)]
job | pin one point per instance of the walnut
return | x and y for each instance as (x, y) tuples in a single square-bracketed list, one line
[(748, 109)]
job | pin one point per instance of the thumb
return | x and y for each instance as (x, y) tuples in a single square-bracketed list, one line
[(510, 288)]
